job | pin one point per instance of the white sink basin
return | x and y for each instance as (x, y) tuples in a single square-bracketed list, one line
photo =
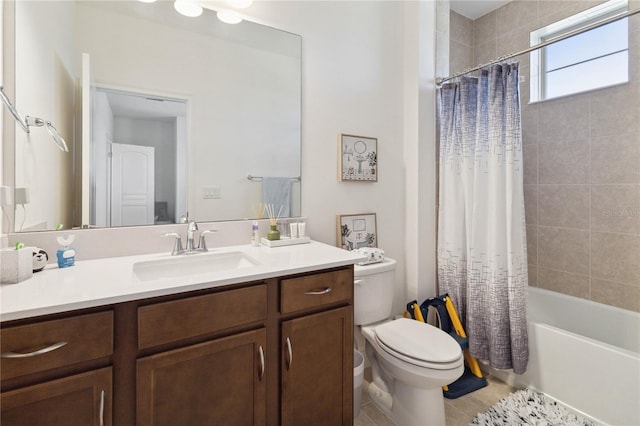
[(192, 264)]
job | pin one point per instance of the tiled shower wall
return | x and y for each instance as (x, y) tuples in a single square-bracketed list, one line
[(581, 160)]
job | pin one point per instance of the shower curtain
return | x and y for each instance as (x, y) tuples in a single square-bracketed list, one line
[(482, 259)]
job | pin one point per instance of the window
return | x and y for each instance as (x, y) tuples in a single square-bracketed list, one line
[(591, 60)]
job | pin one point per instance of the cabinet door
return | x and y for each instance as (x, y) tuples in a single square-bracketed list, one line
[(317, 369), (79, 400), (220, 382)]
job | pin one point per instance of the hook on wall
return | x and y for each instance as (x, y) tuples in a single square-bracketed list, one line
[(27, 122)]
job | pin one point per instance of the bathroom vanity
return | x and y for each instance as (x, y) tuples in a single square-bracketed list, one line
[(265, 343)]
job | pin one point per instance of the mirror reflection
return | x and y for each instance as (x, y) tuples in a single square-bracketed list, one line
[(166, 116)]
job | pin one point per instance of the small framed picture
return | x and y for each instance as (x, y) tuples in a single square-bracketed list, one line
[(358, 159), (356, 231)]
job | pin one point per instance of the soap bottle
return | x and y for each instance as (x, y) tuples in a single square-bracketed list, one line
[(255, 234), (66, 255)]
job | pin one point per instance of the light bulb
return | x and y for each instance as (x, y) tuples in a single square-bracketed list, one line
[(240, 4), (187, 8), (229, 17)]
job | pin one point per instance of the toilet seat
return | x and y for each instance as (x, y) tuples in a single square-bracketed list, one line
[(419, 344)]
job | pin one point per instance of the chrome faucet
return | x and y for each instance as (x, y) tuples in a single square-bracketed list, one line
[(191, 229), (177, 246)]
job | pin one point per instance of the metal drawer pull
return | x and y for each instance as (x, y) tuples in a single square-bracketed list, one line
[(325, 291), (101, 408), (261, 371), (289, 354), (34, 353)]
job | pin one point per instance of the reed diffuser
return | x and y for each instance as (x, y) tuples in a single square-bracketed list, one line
[(273, 233)]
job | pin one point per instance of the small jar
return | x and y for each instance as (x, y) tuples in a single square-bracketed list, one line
[(273, 233)]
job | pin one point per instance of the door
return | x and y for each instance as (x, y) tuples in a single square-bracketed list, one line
[(80, 400), (220, 382), (317, 369), (132, 185)]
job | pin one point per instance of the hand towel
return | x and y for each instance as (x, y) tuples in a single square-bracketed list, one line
[(277, 191)]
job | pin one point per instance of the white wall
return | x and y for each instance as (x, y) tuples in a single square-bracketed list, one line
[(366, 68), (44, 169)]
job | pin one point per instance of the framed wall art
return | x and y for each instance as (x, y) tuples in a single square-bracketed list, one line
[(356, 231), (358, 159)]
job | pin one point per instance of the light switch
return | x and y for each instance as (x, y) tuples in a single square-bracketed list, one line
[(211, 193)]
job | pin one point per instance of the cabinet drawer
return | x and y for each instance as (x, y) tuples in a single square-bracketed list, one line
[(47, 345), (316, 290), (194, 316)]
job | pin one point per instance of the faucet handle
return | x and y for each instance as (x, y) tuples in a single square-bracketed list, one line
[(202, 245), (177, 247)]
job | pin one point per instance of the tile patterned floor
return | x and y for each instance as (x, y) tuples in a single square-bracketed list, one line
[(458, 411)]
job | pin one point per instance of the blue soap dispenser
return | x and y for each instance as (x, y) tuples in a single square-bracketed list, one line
[(66, 255)]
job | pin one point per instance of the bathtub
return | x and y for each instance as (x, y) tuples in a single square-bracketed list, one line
[(584, 354)]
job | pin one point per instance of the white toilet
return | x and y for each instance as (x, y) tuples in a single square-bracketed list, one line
[(410, 360)]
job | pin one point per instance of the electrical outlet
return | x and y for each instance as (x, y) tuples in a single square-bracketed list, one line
[(211, 193)]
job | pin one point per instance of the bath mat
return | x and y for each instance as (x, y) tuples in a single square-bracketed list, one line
[(527, 407)]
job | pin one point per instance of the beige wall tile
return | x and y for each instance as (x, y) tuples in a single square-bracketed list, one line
[(513, 41), (616, 208), (461, 57), (484, 28), (520, 15), (615, 110), (563, 249), (533, 275), (564, 162), (485, 53), (550, 11), (621, 295), (614, 257), (564, 282), (563, 119), (530, 167), (532, 244), (616, 159), (531, 204), (461, 29), (529, 114), (564, 206)]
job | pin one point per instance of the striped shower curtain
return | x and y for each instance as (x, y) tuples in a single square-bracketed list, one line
[(482, 257)]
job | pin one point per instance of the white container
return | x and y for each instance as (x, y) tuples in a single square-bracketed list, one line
[(358, 376), (16, 265), (373, 291)]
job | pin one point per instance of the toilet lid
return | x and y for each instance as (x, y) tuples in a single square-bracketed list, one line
[(418, 343)]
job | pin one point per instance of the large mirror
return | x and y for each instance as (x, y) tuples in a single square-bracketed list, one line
[(166, 117)]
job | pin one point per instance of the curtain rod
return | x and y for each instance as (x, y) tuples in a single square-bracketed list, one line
[(595, 25)]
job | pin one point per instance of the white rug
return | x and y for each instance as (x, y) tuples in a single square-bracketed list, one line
[(527, 407)]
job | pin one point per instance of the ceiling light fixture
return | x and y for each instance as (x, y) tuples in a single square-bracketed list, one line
[(229, 17), (188, 8), (147, 1)]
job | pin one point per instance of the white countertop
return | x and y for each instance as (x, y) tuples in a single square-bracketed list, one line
[(99, 282)]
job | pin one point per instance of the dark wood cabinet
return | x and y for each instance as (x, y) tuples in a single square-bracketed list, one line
[(220, 382), (317, 369), (79, 400), (277, 351)]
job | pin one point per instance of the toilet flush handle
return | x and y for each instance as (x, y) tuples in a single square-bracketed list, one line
[(358, 282)]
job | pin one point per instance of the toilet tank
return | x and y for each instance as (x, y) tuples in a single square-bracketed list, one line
[(373, 292)]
